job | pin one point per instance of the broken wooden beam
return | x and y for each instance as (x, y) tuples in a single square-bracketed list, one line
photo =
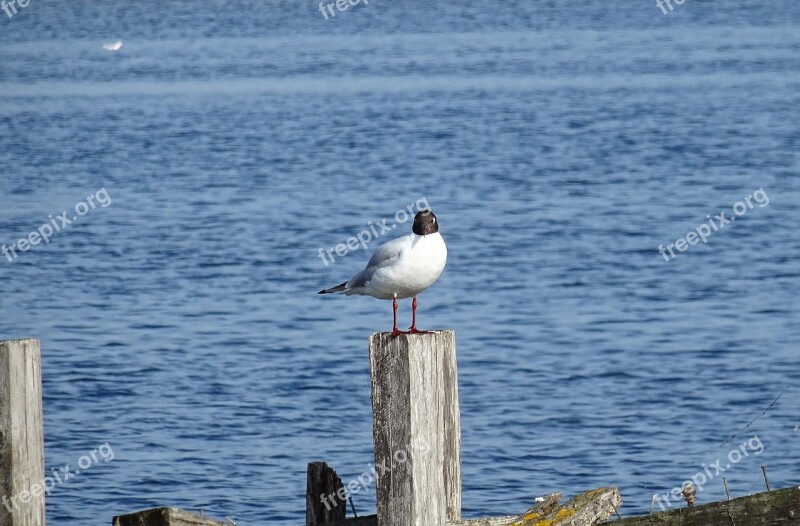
[(416, 428), (165, 517), (771, 507), (586, 509), (21, 434), (541, 507)]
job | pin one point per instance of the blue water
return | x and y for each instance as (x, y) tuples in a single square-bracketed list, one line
[(559, 145)]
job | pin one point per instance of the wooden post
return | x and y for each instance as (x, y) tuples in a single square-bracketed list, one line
[(21, 434), (325, 496), (416, 428)]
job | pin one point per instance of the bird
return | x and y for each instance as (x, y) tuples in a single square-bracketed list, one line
[(113, 46), (402, 268)]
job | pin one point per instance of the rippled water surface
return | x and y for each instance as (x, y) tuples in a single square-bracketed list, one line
[(559, 145)]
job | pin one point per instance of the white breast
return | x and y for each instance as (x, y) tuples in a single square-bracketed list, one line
[(419, 264)]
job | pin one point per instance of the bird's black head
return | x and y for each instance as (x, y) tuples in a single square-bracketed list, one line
[(425, 223)]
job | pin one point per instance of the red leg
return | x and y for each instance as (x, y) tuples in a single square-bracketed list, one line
[(395, 331), (413, 328)]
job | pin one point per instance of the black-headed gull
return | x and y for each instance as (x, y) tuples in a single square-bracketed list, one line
[(402, 268)]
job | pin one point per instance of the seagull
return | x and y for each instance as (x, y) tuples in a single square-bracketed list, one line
[(402, 268), (113, 46)]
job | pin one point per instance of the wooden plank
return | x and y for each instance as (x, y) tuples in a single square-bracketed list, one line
[(367, 520), (21, 434), (585, 509), (165, 517), (325, 495), (540, 508), (416, 428), (761, 509)]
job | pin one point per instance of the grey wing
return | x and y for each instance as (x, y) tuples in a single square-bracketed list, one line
[(386, 254)]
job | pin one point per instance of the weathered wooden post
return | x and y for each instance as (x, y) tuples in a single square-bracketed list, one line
[(325, 495), (21, 434), (416, 428)]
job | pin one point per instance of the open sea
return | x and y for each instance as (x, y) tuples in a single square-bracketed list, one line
[(227, 144)]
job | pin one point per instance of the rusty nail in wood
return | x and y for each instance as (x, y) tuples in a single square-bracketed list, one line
[(766, 480)]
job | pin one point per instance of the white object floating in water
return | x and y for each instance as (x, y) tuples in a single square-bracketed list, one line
[(113, 46)]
